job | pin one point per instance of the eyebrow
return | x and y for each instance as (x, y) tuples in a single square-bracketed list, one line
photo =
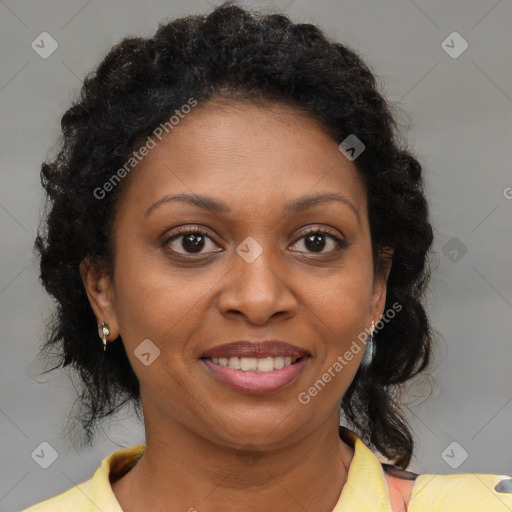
[(292, 207)]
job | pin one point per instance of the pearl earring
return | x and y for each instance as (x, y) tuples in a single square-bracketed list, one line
[(105, 331)]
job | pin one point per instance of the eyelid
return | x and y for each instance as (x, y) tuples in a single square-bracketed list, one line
[(320, 229), (190, 229)]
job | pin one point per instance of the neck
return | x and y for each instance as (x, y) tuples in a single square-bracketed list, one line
[(183, 471)]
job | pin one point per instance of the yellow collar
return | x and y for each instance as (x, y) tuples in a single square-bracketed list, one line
[(365, 490)]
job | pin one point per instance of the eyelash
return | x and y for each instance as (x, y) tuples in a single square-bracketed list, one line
[(189, 230), (340, 243)]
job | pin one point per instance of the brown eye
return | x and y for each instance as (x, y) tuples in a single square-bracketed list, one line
[(317, 240), (190, 241)]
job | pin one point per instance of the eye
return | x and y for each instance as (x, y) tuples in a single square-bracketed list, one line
[(190, 240), (194, 240), (317, 239)]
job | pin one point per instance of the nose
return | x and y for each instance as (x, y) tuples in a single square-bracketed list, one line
[(257, 290)]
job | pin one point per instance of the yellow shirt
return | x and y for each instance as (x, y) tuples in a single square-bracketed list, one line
[(364, 491)]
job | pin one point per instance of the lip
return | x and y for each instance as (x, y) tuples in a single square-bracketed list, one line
[(253, 382), (267, 348)]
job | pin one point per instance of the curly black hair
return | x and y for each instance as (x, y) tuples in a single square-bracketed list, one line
[(237, 54)]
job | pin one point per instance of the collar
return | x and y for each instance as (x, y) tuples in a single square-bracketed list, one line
[(365, 489), (112, 467)]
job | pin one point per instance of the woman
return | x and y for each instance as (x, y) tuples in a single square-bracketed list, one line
[(238, 244)]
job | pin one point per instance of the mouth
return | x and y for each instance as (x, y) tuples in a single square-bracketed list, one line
[(256, 375), (256, 367)]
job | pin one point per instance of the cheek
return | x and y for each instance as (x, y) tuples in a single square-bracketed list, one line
[(341, 305), (344, 293), (156, 300), (341, 317)]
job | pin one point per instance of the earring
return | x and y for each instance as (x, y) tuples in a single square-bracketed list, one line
[(372, 330), (369, 350), (105, 331)]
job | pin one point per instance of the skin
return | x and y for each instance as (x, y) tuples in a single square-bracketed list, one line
[(199, 431)]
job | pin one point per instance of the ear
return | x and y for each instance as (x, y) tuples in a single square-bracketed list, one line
[(378, 300), (100, 293)]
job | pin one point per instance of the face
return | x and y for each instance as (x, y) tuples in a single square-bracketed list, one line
[(254, 259)]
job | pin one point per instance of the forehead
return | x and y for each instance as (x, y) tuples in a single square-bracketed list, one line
[(247, 152)]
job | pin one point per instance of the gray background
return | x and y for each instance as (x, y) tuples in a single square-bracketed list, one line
[(457, 114)]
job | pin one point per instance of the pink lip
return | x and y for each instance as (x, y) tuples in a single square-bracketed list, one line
[(270, 348), (253, 382)]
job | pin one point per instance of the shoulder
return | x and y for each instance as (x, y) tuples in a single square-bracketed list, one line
[(77, 498), (96, 493), (465, 492)]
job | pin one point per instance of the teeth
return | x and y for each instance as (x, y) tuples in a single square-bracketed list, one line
[(266, 364), (250, 364), (255, 364), (234, 363), (278, 362)]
